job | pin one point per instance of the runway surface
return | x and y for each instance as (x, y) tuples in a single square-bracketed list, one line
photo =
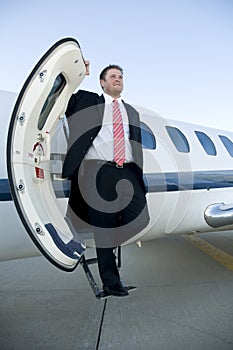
[(184, 300)]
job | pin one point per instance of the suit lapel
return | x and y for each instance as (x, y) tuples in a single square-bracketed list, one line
[(100, 107), (132, 129)]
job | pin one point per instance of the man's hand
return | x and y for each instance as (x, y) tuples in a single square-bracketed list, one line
[(87, 64)]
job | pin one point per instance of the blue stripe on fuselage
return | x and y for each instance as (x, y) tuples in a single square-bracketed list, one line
[(184, 181), (5, 193), (155, 182)]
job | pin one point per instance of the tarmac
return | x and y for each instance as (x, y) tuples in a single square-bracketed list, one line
[(183, 300)]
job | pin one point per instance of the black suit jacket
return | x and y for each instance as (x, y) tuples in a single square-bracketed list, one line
[(84, 114)]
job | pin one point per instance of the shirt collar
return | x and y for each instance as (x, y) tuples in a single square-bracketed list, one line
[(109, 99)]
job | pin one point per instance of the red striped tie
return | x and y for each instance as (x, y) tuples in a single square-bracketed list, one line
[(118, 134)]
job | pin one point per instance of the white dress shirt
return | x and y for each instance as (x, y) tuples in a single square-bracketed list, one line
[(103, 145)]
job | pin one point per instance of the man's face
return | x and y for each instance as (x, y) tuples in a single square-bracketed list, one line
[(113, 84)]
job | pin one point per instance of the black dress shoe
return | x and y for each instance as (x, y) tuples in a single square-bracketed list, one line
[(117, 290)]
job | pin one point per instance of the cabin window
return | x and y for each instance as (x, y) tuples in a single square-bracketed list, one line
[(227, 143), (206, 143), (55, 92), (179, 139), (148, 138)]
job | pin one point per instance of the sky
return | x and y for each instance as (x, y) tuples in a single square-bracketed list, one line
[(177, 55)]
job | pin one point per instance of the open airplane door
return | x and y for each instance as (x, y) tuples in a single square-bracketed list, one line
[(37, 144)]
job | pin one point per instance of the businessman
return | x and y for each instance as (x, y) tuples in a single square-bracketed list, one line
[(105, 164)]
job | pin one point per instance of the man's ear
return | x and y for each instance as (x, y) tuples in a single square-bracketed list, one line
[(102, 83)]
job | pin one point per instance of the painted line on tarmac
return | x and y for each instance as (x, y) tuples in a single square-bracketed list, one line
[(217, 254)]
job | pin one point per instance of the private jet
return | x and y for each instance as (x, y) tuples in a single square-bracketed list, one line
[(187, 168)]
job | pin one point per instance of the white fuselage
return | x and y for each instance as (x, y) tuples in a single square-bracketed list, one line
[(181, 183)]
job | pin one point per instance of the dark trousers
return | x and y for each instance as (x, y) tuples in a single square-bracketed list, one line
[(117, 210)]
